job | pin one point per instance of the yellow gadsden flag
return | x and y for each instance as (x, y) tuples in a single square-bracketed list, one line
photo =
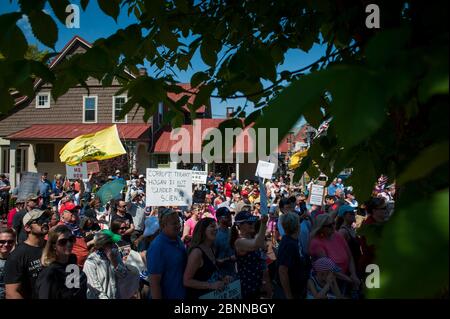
[(98, 146), (296, 159)]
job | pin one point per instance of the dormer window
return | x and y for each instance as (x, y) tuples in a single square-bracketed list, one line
[(43, 100)]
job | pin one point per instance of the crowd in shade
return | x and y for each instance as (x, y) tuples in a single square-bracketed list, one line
[(65, 242)]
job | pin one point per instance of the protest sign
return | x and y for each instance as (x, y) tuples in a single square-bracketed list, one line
[(168, 187), (29, 184), (316, 197), (93, 167), (111, 190), (231, 291), (265, 169), (79, 171), (199, 177)]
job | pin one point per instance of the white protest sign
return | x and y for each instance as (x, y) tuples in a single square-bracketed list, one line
[(231, 291), (199, 177), (265, 169), (79, 171), (29, 184), (316, 197), (168, 187)]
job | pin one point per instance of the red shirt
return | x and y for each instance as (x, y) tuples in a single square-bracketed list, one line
[(335, 248), (228, 189), (11, 214)]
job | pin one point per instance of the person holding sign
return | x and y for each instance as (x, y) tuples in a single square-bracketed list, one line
[(249, 252), (202, 274)]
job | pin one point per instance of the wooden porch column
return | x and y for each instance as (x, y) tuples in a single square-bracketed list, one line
[(12, 164)]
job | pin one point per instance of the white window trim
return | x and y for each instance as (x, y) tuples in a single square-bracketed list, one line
[(84, 108), (125, 119), (47, 106)]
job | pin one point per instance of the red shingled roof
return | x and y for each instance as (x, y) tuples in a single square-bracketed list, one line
[(165, 144), (70, 131)]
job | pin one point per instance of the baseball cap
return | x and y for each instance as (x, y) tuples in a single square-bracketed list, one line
[(32, 197), (344, 209), (114, 237), (245, 217), (117, 171), (32, 216), (151, 226), (71, 206), (141, 176), (223, 212)]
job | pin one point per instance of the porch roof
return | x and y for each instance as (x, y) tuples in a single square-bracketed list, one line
[(131, 132)]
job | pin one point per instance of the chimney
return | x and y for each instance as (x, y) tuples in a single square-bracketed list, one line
[(230, 111), (142, 71)]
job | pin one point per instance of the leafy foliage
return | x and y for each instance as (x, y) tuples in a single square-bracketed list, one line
[(385, 92)]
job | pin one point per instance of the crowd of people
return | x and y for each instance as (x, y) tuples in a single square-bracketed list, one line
[(65, 243)]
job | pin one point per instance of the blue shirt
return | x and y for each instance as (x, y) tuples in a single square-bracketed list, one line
[(280, 228), (45, 188), (224, 250), (167, 257), (332, 189), (303, 238)]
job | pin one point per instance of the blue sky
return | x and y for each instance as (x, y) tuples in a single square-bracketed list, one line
[(95, 24)]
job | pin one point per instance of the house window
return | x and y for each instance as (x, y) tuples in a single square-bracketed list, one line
[(89, 109), (43, 101), (45, 153), (21, 160), (118, 103), (5, 160)]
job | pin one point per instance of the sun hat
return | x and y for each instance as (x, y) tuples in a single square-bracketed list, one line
[(325, 264), (319, 222)]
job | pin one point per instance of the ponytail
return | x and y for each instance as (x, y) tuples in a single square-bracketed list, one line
[(234, 235)]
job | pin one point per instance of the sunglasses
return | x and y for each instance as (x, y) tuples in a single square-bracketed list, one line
[(6, 242), (64, 241), (41, 221), (123, 228)]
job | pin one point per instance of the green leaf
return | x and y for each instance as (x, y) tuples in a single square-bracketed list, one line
[(421, 166), (418, 242), (203, 96), (364, 175), (44, 28), (209, 49), (110, 7), (385, 44), (7, 101), (436, 82), (304, 165), (13, 44), (84, 4), (198, 78), (59, 8), (284, 110), (365, 109), (168, 38)]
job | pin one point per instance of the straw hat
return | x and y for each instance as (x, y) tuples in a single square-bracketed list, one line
[(320, 220)]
